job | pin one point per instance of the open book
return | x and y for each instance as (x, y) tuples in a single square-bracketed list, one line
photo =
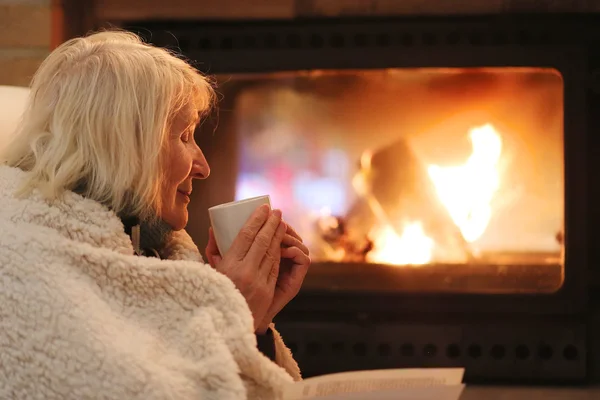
[(385, 384)]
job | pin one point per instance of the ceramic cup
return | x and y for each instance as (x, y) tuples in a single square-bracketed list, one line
[(229, 218)]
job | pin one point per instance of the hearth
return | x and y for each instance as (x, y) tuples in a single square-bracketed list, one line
[(438, 168)]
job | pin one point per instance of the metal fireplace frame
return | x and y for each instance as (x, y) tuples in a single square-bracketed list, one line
[(530, 337)]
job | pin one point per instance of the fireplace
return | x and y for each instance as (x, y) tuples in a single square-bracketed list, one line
[(411, 180), (436, 167)]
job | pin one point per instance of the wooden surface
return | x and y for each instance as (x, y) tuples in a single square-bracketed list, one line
[(119, 10), (24, 25), (25, 38)]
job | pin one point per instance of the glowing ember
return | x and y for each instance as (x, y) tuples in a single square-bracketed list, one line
[(413, 247), (467, 190)]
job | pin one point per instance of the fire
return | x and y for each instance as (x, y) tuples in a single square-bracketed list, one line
[(413, 247), (466, 191)]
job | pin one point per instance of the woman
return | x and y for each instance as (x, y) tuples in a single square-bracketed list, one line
[(102, 293)]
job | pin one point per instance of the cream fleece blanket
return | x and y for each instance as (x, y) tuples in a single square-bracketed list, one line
[(81, 317)]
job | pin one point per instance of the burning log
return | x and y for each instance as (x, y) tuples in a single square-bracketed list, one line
[(397, 191), (332, 230), (416, 213)]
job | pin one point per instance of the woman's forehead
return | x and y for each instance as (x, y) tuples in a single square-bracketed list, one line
[(187, 116)]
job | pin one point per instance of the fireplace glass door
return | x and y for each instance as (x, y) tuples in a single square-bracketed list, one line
[(410, 180)]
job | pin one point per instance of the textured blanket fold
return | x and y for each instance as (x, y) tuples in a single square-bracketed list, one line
[(82, 317)]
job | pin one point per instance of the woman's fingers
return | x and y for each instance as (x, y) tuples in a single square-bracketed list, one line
[(215, 260), (248, 234), (263, 239), (253, 261), (272, 258), (292, 276), (292, 241), (296, 255), (212, 251), (290, 231)]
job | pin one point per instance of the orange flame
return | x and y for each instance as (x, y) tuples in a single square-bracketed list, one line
[(466, 191), (412, 247)]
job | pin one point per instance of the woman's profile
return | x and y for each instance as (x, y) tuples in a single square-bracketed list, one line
[(103, 293)]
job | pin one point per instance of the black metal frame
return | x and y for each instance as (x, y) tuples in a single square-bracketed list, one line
[(568, 43)]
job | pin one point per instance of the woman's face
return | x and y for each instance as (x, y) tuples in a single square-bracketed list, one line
[(184, 162)]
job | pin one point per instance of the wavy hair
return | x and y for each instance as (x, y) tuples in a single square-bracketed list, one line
[(98, 114)]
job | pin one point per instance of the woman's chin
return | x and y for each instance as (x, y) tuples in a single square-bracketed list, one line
[(176, 220)]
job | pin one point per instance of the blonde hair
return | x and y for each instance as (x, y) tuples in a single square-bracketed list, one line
[(98, 114)]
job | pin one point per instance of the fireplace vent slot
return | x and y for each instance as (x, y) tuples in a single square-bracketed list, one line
[(188, 42), (497, 352), (191, 38), (485, 352)]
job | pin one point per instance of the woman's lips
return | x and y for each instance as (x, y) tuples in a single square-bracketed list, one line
[(185, 194)]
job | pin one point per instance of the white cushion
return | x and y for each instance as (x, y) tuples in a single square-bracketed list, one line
[(12, 104)]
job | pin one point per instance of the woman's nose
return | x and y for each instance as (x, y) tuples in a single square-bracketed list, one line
[(200, 167)]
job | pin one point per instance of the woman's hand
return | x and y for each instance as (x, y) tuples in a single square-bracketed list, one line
[(294, 266), (252, 261)]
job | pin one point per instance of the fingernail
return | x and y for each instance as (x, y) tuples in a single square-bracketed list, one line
[(282, 226), (277, 213)]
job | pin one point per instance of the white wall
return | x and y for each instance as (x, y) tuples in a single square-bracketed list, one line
[(12, 104)]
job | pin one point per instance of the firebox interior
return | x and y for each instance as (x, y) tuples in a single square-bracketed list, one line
[(411, 180)]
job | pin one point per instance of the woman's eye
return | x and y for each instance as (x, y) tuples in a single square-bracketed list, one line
[(185, 137)]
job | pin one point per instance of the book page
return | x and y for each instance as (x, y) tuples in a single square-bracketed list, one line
[(425, 393), (381, 384)]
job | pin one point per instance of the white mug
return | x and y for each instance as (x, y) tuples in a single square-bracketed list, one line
[(228, 219)]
